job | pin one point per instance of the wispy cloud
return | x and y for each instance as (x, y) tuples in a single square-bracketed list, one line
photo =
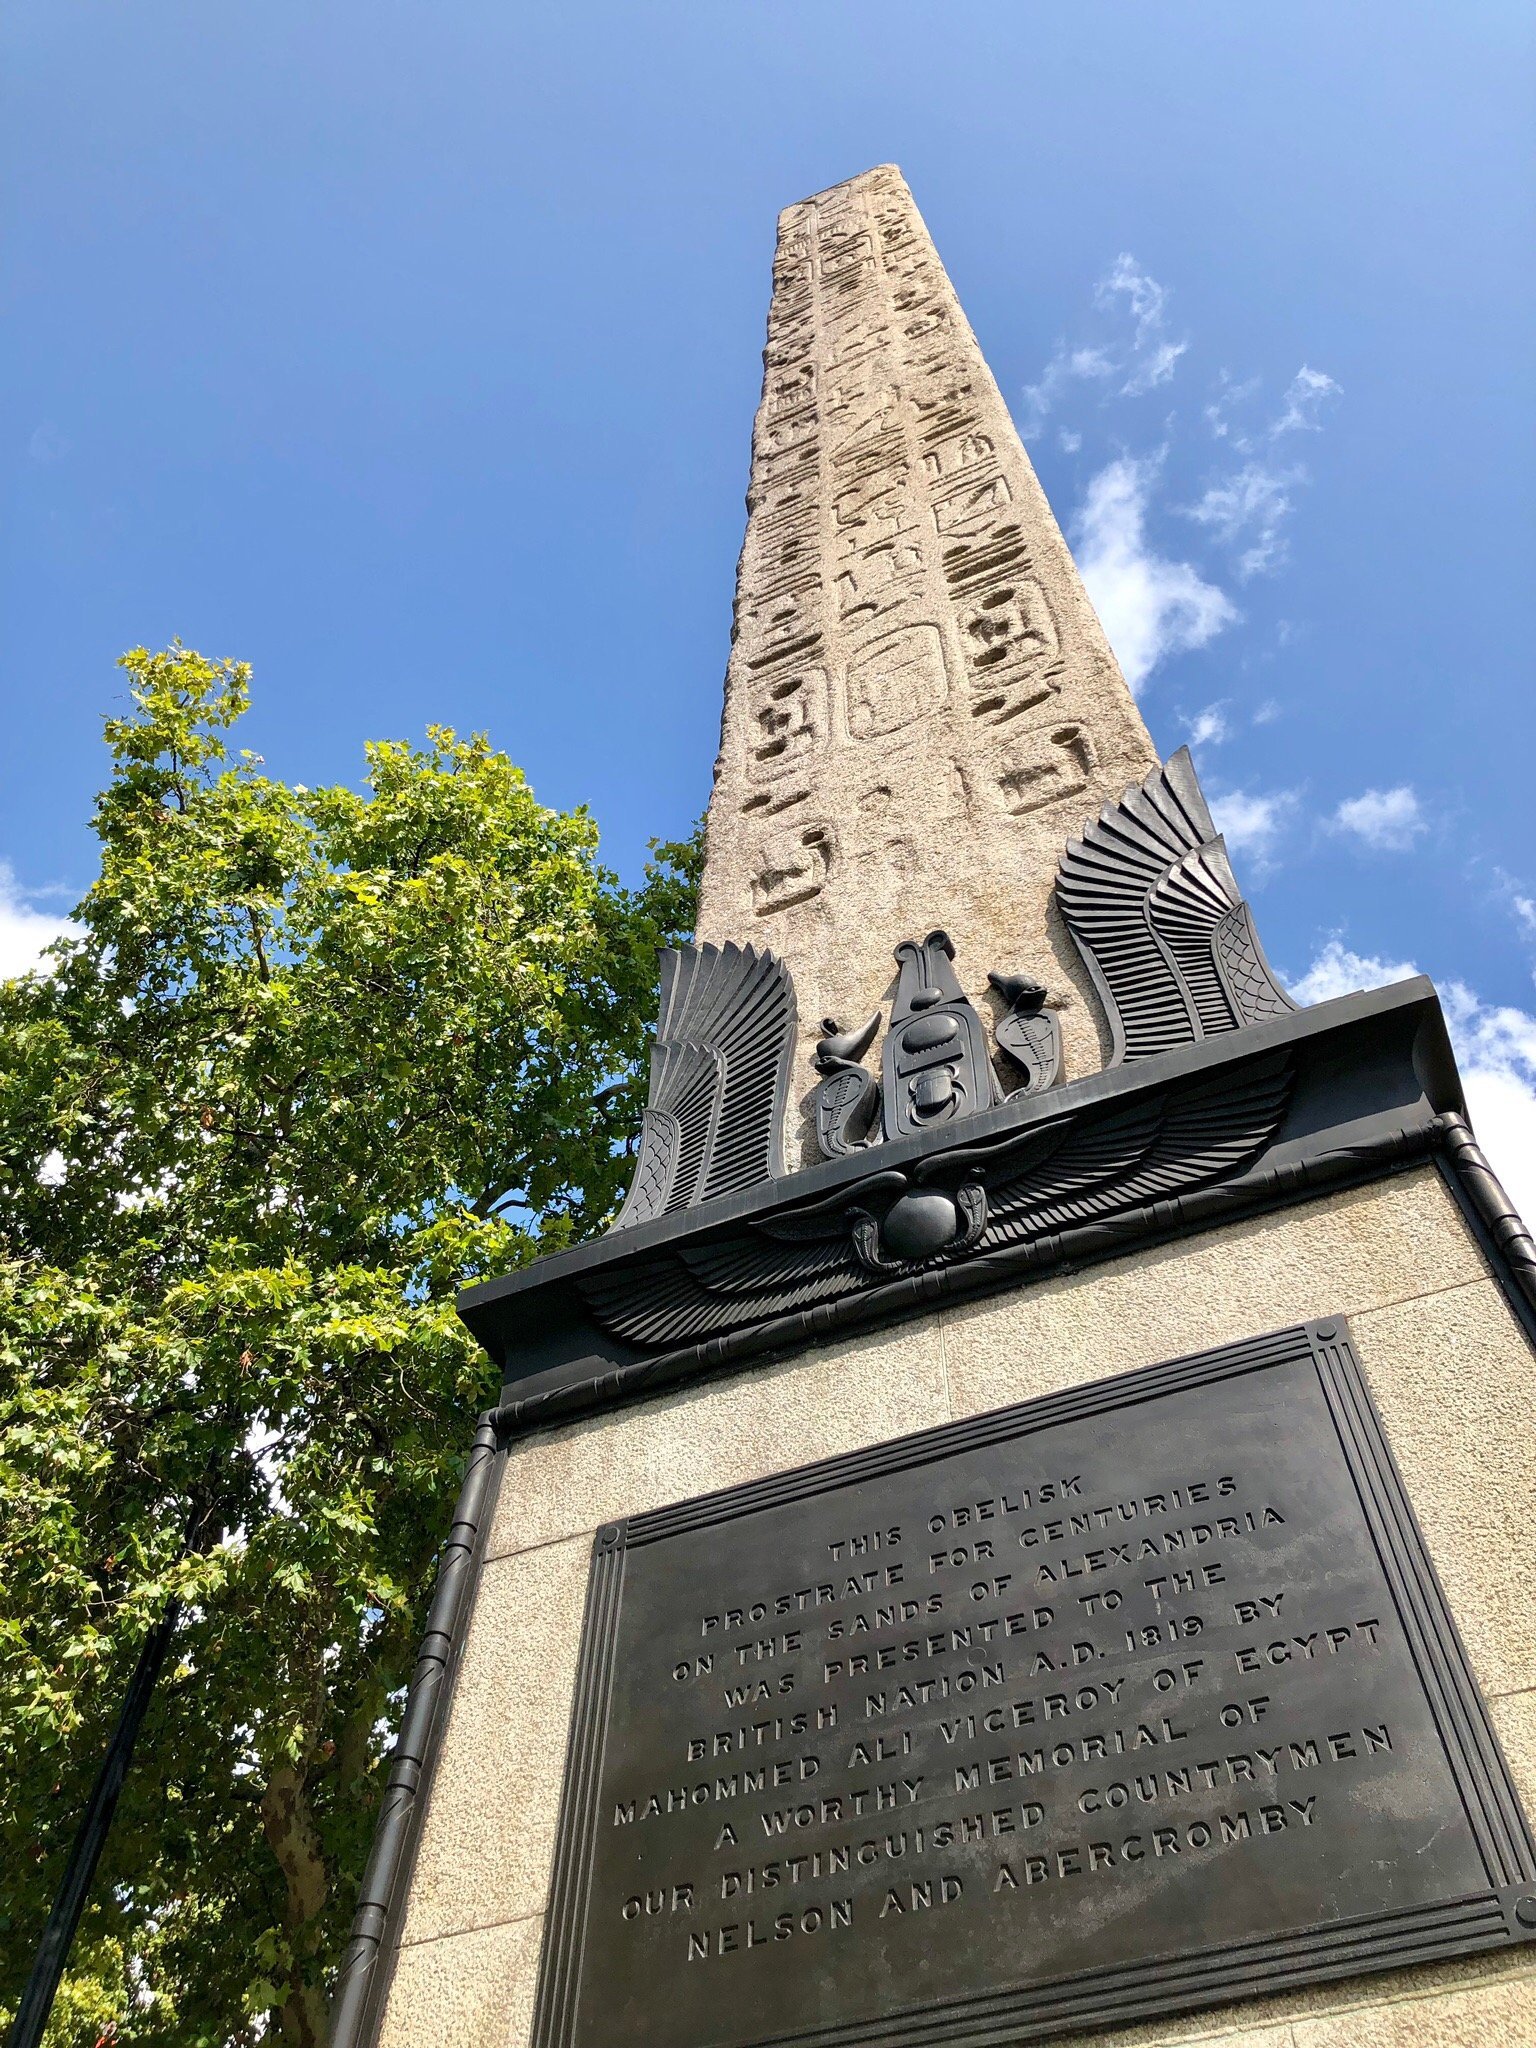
[(1154, 367), (1386, 820), (1246, 511), (46, 444), (1144, 297), (1208, 728), (1156, 605), (1233, 414), (1495, 1049), (1228, 397), (1151, 607), (1307, 394), (1066, 367), (24, 930), (1510, 890), (1136, 356), (1252, 821)]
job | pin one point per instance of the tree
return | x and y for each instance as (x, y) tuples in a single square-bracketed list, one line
[(315, 1059)]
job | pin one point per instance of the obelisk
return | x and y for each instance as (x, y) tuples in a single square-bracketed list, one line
[(920, 703), (1047, 1547)]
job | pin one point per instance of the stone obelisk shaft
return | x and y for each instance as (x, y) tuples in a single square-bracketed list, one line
[(920, 705)]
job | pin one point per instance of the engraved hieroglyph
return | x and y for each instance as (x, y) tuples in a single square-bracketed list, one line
[(921, 707)]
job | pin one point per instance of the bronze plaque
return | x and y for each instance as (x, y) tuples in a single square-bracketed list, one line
[(1134, 1699)]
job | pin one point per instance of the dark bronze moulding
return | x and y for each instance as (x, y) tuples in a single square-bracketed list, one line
[(1270, 1114), (1491, 1216), (1421, 1849), (357, 2002)]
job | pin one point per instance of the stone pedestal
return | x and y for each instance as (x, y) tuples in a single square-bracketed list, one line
[(1449, 1366)]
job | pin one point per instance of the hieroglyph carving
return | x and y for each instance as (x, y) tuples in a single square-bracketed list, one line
[(889, 586), (920, 703)]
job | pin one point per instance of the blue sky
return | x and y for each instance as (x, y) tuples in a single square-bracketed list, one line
[(411, 352)]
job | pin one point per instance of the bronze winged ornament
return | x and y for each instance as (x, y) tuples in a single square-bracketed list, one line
[(1149, 896), (719, 1078), (1027, 1032), (1002, 1191), (847, 1098)]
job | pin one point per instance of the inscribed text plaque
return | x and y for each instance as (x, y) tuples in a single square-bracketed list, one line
[(1137, 1698)]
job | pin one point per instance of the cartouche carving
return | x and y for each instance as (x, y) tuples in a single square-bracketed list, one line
[(934, 1067), (1046, 768), (896, 681)]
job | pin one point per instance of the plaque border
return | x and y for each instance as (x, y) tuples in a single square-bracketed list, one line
[(1182, 1981)]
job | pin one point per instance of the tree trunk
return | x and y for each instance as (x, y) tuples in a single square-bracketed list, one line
[(291, 1836)]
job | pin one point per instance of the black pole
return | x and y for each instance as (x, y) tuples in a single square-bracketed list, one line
[(53, 1949)]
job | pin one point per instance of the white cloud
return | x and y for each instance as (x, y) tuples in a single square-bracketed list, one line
[(1218, 413), (1388, 820), (1139, 360), (24, 932), (1250, 507), (1336, 971), (1089, 362), (1155, 367), (1522, 906), (1066, 366), (1251, 821), (1145, 297), (1070, 442), (1150, 607), (1267, 712), (1304, 400), (1208, 728), (1495, 1050)]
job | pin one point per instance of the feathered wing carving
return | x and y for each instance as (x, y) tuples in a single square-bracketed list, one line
[(1037, 1183), (1150, 898), (719, 1079), (1180, 1138)]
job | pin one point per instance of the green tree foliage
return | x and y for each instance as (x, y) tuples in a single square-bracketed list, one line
[(315, 1058)]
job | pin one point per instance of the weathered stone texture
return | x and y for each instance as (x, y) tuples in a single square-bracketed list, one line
[(920, 704), (850, 1393), (471, 1991), (489, 1837)]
